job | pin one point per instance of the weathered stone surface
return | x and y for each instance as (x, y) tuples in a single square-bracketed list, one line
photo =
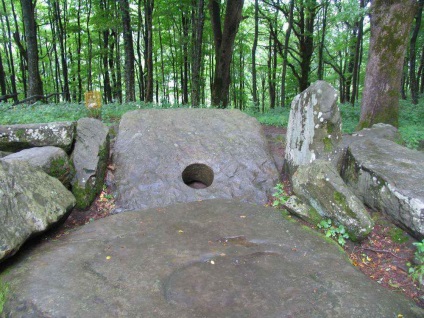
[(17, 137), (215, 258), (302, 210), (30, 202), (89, 158), (389, 178), (314, 130), (320, 185), (52, 160), (182, 155)]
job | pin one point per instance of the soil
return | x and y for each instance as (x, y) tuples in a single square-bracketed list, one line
[(383, 256)]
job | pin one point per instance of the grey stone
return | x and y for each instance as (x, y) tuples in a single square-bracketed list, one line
[(389, 178), (52, 160), (30, 202), (182, 155), (17, 137), (302, 210), (215, 258), (314, 130), (320, 185), (90, 156)]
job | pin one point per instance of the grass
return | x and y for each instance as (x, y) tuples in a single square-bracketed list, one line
[(411, 116)]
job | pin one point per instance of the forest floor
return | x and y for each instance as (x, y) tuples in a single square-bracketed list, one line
[(383, 256)]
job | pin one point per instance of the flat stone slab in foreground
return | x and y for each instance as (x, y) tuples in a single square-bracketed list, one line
[(216, 258), (183, 155)]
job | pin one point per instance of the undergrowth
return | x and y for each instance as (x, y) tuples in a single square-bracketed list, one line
[(411, 120)]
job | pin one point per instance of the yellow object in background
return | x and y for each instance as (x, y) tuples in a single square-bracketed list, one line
[(93, 103)]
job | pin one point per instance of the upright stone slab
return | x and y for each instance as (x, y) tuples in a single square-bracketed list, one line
[(183, 155), (52, 160), (320, 185), (89, 157), (314, 130), (17, 137), (30, 202), (389, 178)]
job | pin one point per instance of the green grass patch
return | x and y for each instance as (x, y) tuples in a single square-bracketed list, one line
[(4, 290), (411, 119)]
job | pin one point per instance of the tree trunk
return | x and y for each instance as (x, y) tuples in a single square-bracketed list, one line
[(2, 78), (255, 44), (185, 21), (198, 20), (129, 52), (322, 40), (224, 43), (413, 55), (148, 11), (356, 62), (35, 85), (390, 25), (285, 53)]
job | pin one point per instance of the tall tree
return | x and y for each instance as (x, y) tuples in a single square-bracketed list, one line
[(129, 52), (198, 19), (35, 85), (148, 12), (254, 47), (224, 38), (413, 54), (2, 78), (390, 25)]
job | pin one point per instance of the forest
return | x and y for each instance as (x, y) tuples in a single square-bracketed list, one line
[(245, 54)]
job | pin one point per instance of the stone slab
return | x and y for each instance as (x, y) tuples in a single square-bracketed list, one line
[(387, 177), (17, 137), (228, 149), (216, 258)]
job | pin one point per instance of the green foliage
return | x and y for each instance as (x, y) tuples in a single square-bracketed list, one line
[(273, 117), (280, 196), (338, 233), (417, 271), (4, 290), (398, 235)]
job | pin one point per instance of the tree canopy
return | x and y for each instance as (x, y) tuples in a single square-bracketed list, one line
[(174, 51)]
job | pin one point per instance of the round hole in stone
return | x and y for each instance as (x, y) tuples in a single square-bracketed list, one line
[(198, 176)]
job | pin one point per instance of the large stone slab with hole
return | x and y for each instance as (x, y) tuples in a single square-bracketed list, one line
[(182, 155), (215, 258)]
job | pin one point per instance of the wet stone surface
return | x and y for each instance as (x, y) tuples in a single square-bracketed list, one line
[(216, 258)]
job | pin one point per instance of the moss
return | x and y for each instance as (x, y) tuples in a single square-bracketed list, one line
[(84, 195), (20, 133), (4, 291), (397, 235), (61, 169), (340, 199), (330, 127), (328, 145)]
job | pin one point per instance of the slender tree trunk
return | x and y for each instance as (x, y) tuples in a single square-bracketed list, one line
[(129, 52), (140, 38), (185, 26), (390, 25), (420, 74), (322, 41), (2, 78), (356, 63), (148, 11), (61, 35), (224, 43), (413, 55), (255, 44), (285, 53), (90, 49), (198, 19), (35, 85)]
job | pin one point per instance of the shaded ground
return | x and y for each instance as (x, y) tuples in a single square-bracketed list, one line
[(382, 256)]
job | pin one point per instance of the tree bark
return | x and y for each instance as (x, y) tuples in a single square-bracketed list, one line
[(390, 26), (129, 52), (148, 11), (198, 19), (254, 46), (2, 78), (35, 85), (285, 53), (356, 63), (413, 55), (224, 42)]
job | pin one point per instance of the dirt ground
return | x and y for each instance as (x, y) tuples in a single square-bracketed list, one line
[(383, 256)]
